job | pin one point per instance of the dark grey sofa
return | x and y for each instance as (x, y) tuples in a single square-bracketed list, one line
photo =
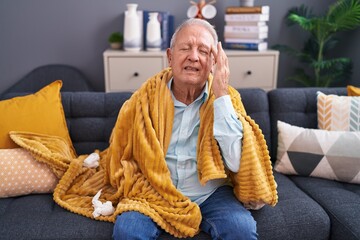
[(308, 208)]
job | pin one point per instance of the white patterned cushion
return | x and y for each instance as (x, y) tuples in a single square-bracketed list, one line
[(318, 153), (21, 174), (338, 113)]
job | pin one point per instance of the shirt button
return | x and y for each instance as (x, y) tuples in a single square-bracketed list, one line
[(181, 166)]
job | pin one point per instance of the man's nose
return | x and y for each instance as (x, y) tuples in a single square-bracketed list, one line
[(193, 56)]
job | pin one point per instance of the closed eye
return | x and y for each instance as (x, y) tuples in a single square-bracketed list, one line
[(204, 52)]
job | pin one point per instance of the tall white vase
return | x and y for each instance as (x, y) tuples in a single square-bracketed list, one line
[(153, 33), (132, 29)]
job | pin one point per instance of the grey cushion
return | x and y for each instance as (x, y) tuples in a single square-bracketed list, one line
[(38, 217), (341, 201), (296, 216), (257, 106)]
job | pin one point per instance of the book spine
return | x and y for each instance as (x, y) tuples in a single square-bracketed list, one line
[(246, 17), (254, 9), (246, 46), (164, 29), (246, 35), (243, 40), (246, 29), (168, 32), (239, 23)]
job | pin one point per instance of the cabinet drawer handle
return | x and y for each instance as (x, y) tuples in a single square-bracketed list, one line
[(248, 72), (136, 74)]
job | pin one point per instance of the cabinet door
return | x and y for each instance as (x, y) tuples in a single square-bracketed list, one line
[(253, 71), (128, 73)]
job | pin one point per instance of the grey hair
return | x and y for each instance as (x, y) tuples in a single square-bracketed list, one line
[(191, 22)]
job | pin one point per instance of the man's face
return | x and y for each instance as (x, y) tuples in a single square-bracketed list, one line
[(191, 59)]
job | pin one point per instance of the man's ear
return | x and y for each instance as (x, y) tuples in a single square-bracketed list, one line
[(169, 56)]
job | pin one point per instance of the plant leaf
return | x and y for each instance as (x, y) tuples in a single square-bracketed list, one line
[(305, 23), (344, 14), (301, 11), (331, 63)]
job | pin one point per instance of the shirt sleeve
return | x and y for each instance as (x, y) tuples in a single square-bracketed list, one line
[(228, 132)]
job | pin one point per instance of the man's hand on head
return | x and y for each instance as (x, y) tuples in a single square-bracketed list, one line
[(221, 71)]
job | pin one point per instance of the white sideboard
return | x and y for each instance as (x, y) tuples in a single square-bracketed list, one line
[(126, 71)]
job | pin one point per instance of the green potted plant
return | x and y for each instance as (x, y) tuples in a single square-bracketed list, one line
[(116, 39), (319, 69)]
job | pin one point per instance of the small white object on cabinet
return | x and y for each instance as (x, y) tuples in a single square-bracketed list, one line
[(153, 33), (132, 28)]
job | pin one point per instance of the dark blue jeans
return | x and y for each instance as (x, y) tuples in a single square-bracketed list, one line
[(223, 217)]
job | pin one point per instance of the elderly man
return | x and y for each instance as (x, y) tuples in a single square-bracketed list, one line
[(194, 53)]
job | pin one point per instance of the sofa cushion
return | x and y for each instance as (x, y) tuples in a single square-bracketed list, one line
[(296, 216), (258, 109), (353, 91), (41, 112), (340, 200), (338, 113), (318, 153), (21, 174), (37, 216)]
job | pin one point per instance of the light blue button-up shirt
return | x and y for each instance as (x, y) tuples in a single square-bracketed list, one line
[(181, 154)]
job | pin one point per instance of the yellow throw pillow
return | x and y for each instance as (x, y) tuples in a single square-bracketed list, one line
[(41, 112), (353, 91)]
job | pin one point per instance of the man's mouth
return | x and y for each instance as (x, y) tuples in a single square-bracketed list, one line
[(188, 68)]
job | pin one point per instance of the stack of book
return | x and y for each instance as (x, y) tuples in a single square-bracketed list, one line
[(246, 28)]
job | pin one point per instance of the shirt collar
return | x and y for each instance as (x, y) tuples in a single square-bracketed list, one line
[(203, 96)]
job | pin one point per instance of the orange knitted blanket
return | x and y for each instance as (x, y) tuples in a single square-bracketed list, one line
[(133, 173)]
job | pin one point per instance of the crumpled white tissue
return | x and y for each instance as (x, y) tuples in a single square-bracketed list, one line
[(100, 208), (92, 161), (254, 205)]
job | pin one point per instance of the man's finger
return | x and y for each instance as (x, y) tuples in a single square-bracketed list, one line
[(214, 53)]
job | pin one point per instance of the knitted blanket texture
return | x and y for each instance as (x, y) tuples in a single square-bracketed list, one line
[(133, 173)]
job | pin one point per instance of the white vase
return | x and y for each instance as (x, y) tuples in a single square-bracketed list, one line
[(153, 33), (132, 29)]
